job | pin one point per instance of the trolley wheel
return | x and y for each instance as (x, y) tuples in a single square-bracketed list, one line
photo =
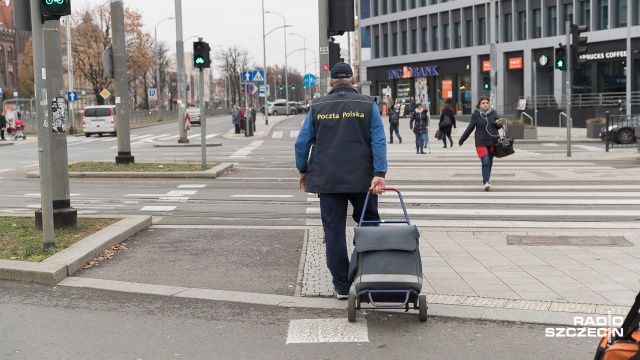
[(351, 307), (87, 134), (422, 303)]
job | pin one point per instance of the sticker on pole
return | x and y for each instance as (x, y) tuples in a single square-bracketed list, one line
[(325, 67), (187, 122)]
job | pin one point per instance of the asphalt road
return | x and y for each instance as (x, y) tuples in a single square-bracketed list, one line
[(41, 322)]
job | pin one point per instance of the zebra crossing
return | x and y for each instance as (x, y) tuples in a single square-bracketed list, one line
[(136, 139)]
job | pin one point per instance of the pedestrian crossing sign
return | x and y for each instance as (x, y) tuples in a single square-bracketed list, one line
[(257, 76)]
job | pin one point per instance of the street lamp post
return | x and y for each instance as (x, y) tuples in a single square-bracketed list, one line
[(304, 43), (157, 60), (286, 69), (264, 62)]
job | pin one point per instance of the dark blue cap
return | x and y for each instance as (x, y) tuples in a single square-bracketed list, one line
[(341, 71)]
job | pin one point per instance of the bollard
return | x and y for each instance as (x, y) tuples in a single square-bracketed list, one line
[(606, 132), (248, 129), (247, 123)]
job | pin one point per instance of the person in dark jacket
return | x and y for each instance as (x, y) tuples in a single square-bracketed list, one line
[(253, 117), (412, 105), (348, 144), (486, 123), (420, 124), (447, 121), (3, 126), (235, 119), (394, 123)]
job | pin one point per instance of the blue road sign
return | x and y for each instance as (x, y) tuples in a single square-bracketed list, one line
[(152, 93), (72, 96), (257, 76), (246, 76), (250, 89), (309, 80)]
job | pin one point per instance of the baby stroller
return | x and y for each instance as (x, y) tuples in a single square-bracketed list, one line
[(16, 127)]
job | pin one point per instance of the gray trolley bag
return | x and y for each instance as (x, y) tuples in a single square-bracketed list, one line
[(385, 266)]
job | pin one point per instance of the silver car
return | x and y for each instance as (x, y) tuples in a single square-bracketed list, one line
[(279, 107)]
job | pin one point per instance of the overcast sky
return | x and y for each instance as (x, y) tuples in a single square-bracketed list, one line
[(239, 22)]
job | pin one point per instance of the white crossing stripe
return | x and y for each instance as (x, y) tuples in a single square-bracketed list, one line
[(277, 135), (262, 196), (294, 133), (307, 331), (505, 213), (192, 186), (589, 147), (158, 208), (246, 150)]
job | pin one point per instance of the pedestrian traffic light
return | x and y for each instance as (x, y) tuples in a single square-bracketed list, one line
[(293, 86), (201, 58), (341, 17), (578, 45), (561, 58), (281, 87), (486, 83), (334, 53), (54, 9), (304, 86)]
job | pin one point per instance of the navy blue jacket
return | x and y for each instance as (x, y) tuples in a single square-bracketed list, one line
[(485, 126), (349, 143), (421, 120)]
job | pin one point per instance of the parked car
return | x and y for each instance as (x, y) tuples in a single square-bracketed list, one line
[(279, 107), (194, 114), (622, 132), (296, 105), (100, 119), (302, 107)]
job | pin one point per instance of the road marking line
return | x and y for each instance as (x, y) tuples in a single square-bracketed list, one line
[(151, 195), (509, 212), (277, 135), (294, 133), (246, 150), (158, 208), (168, 137), (263, 196), (192, 186), (519, 201), (181, 192), (309, 331)]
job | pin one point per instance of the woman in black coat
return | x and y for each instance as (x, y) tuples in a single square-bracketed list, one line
[(486, 124), (447, 121), (419, 123), (3, 125)]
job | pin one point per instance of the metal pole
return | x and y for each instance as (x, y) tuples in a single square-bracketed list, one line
[(156, 58), (629, 59), (72, 130), (203, 120), (121, 83), (286, 68), (568, 89), (264, 60), (64, 215), (535, 95), (493, 55), (182, 90), (323, 26), (44, 130), (606, 130)]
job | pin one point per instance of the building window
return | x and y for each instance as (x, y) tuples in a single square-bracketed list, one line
[(457, 35), (522, 25), (11, 82), (385, 45), (552, 13), (635, 14), (403, 5), (568, 16), (394, 6), (434, 39), (412, 4), (423, 2), (405, 41), (414, 41), (394, 47), (508, 28), (425, 39), (537, 24), (468, 39), (446, 36), (482, 31), (603, 18), (376, 47), (621, 13), (585, 12), (376, 7), (385, 7)]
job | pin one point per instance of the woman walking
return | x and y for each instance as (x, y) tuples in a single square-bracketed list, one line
[(420, 128), (486, 124), (447, 121)]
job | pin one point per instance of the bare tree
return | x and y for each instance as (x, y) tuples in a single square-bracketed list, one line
[(232, 63)]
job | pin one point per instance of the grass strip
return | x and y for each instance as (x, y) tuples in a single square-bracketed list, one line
[(103, 166)]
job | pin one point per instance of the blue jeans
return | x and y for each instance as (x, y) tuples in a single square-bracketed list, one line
[(393, 129), (487, 163), (333, 211), (421, 141)]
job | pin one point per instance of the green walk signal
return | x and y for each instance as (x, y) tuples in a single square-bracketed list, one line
[(55, 8), (199, 60), (486, 84), (293, 87), (560, 64)]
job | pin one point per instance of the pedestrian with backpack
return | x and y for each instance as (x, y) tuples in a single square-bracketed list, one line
[(447, 121), (394, 124)]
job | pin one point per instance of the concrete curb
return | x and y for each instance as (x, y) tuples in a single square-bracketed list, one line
[(163, 145), (209, 174), (6, 143), (57, 267)]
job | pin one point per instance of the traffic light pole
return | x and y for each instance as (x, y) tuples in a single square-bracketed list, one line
[(203, 119), (122, 89), (323, 26), (264, 60), (182, 90), (44, 131), (568, 89)]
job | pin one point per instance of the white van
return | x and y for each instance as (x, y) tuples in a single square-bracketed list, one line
[(99, 120)]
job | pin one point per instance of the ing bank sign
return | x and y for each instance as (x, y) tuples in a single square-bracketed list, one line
[(408, 72)]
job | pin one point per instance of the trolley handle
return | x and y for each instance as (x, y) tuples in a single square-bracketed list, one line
[(404, 210)]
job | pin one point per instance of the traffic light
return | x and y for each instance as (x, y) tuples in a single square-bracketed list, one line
[(486, 83), (293, 87), (54, 9), (578, 45), (201, 58), (334, 53), (304, 86), (341, 17), (281, 87), (561, 58)]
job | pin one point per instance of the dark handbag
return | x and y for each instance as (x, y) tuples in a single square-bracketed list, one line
[(504, 146), (439, 135), (446, 122)]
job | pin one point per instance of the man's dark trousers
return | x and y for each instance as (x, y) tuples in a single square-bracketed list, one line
[(333, 210)]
